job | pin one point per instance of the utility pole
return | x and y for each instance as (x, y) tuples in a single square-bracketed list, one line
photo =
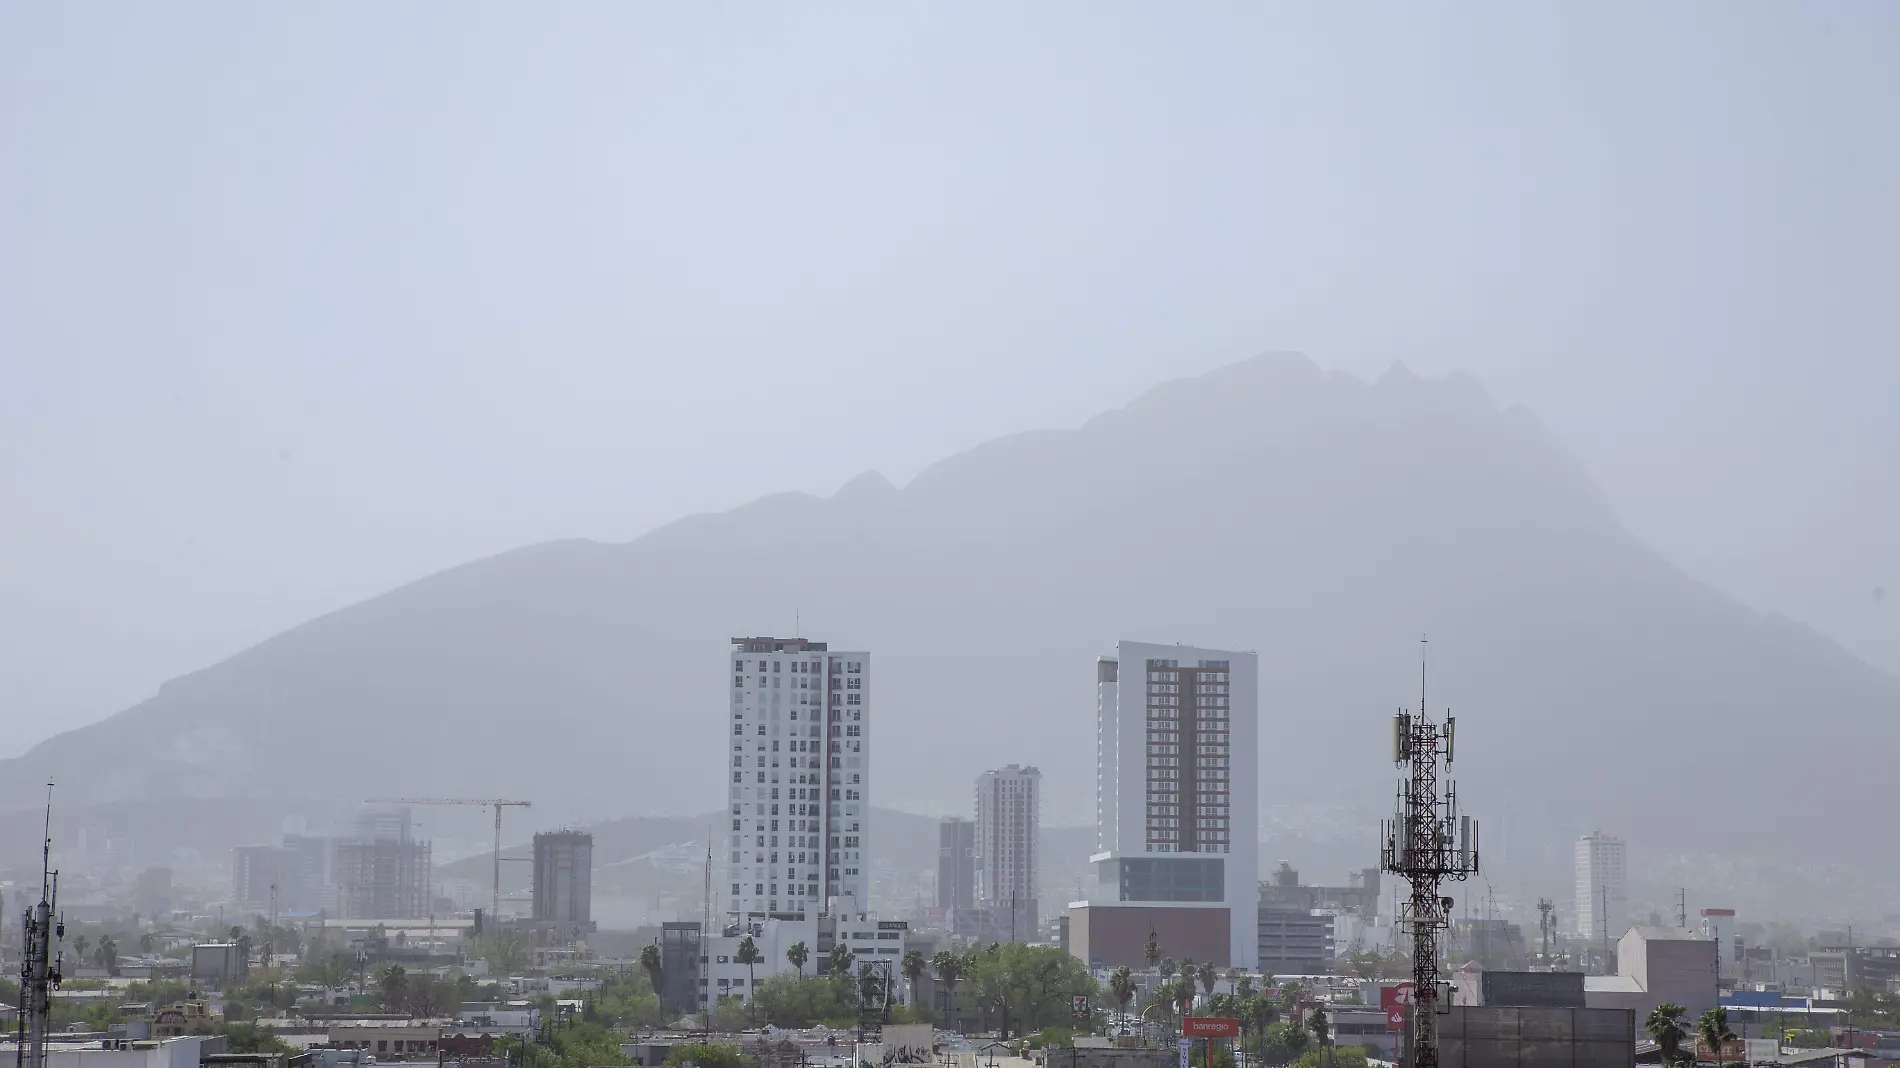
[(1427, 842), (1603, 927)]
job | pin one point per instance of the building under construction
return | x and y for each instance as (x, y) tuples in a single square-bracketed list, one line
[(384, 871), (563, 886)]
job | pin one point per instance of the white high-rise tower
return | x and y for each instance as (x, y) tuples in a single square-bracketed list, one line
[(1008, 854), (800, 764), (1602, 904), (1177, 795)]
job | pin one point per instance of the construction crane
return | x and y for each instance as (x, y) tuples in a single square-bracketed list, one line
[(496, 803)]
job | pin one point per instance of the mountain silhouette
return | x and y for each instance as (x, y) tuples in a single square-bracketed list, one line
[(1327, 522)]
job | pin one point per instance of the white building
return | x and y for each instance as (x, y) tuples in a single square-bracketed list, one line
[(869, 938), (1008, 825), (1177, 755), (1602, 903), (801, 773)]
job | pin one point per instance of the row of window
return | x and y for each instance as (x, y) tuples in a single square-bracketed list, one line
[(813, 666)]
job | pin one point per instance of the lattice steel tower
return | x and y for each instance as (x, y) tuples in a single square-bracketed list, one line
[(1427, 841)]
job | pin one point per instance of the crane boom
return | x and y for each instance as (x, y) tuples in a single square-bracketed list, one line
[(496, 803)]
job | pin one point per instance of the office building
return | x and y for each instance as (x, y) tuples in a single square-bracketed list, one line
[(801, 776), (1177, 743), (564, 880), (1008, 821), (956, 865), (1602, 899)]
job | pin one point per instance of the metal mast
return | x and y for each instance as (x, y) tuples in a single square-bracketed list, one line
[(39, 961), (1546, 924), (1427, 841)]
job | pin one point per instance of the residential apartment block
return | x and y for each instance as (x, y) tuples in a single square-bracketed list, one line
[(1177, 737), (800, 767), (1008, 825)]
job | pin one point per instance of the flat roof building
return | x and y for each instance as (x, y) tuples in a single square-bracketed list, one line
[(1177, 737)]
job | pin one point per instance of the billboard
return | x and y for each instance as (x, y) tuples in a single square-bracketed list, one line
[(1210, 1027)]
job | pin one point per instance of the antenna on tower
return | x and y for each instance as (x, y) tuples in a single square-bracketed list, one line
[(1427, 841), (39, 963)]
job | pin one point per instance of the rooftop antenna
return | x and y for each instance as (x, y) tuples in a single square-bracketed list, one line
[(705, 933), (1426, 842)]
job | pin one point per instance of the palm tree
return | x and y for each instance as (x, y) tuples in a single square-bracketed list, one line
[(1168, 967), (1153, 949), (109, 955), (1121, 986), (392, 979), (146, 942), (1257, 1012), (79, 946), (913, 968), (1185, 989), (1207, 973), (748, 954), (1713, 1027), (1665, 1026), (797, 955), (654, 963), (1243, 987), (949, 967)]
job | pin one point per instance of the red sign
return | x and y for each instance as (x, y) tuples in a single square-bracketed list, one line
[(1210, 1027), (1392, 1001)]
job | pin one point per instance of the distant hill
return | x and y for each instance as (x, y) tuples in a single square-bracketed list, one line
[(1322, 520)]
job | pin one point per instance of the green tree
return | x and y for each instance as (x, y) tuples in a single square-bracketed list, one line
[(731, 1014), (1028, 986), (914, 966), (1665, 1026), (147, 942), (805, 1000), (748, 954), (392, 981), (706, 1055), (797, 955), (948, 967), (1283, 1042), (505, 952), (1168, 967), (1316, 1022), (250, 1038), (79, 946), (838, 961), (1121, 987), (651, 961), (1713, 1027), (1342, 1057), (1207, 974)]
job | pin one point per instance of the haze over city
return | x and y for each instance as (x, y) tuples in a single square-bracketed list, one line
[(425, 403)]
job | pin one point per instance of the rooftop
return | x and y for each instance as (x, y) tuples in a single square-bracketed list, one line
[(1670, 934)]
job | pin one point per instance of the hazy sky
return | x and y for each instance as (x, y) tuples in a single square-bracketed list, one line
[(298, 302)]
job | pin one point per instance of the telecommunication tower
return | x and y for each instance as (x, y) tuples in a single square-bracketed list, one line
[(1426, 842), (40, 957), (1546, 924)]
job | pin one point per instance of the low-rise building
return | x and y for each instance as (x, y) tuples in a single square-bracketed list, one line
[(390, 1039)]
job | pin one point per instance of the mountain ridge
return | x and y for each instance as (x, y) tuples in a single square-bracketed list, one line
[(1318, 518)]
